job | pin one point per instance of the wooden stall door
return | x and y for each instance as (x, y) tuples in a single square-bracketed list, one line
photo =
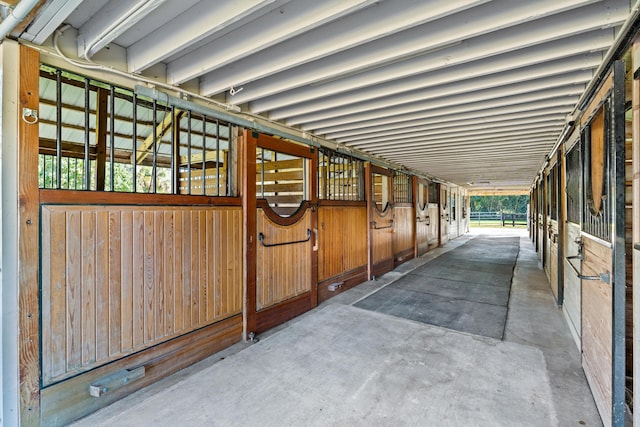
[(281, 222), (423, 219), (571, 190), (603, 237), (381, 221), (552, 236), (453, 213), (444, 214)]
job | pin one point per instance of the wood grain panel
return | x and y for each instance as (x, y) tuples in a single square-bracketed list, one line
[(342, 240), (119, 279), (572, 287), (381, 237), (283, 272), (423, 225), (597, 325), (404, 230), (69, 400), (551, 262), (27, 81)]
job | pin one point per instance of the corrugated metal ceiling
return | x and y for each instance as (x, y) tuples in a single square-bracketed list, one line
[(473, 92)]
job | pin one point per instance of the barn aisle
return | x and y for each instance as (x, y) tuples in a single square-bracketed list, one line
[(466, 289), (343, 365)]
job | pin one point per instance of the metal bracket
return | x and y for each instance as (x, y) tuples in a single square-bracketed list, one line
[(580, 255), (604, 277), (252, 338), (335, 286), (115, 381)]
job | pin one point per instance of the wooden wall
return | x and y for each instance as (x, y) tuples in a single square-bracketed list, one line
[(119, 279), (597, 325), (423, 225), (342, 240), (282, 272), (403, 233), (381, 230)]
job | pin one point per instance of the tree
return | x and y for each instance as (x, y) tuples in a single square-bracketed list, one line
[(506, 204)]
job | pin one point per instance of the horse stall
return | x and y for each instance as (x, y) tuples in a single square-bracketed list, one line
[(133, 286), (161, 231), (404, 225), (599, 260), (381, 220), (571, 240), (427, 216), (454, 211), (552, 179), (342, 223), (445, 215)]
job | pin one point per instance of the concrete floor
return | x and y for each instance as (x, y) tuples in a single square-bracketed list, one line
[(341, 365)]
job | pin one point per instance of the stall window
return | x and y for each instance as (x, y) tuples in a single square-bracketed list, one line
[(552, 186), (380, 191), (595, 152), (453, 206), (573, 185), (340, 177), (422, 195), (100, 137), (433, 192), (401, 187), (282, 180)]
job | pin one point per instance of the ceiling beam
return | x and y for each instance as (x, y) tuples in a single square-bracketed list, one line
[(273, 30), (426, 48), (552, 58), (203, 20), (566, 103), (376, 141), (466, 95), (369, 25), (451, 128), (434, 109)]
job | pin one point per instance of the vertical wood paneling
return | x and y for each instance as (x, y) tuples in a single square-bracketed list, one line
[(423, 224), (138, 279), (404, 225), (119, 279), (126, 279), (73, 291), (342, 233), (102, 285), (115, 290), (571, 294), (597, 326), (434, 224), (283, 272), (87, 236), (58, 287), (381, 239)]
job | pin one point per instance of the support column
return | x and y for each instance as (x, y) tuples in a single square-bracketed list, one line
[(636, 227), (20, 306)]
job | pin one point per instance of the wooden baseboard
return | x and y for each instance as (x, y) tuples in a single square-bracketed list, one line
[(270, 317), (403, 256), (69, 400), (382, 267), (348, 280)]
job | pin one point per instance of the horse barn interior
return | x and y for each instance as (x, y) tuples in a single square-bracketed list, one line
[(267, 183)]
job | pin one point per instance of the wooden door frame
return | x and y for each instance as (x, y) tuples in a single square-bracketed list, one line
[(254, 321)]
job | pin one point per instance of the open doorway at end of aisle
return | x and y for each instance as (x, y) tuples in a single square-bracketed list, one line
[(498, 211)]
